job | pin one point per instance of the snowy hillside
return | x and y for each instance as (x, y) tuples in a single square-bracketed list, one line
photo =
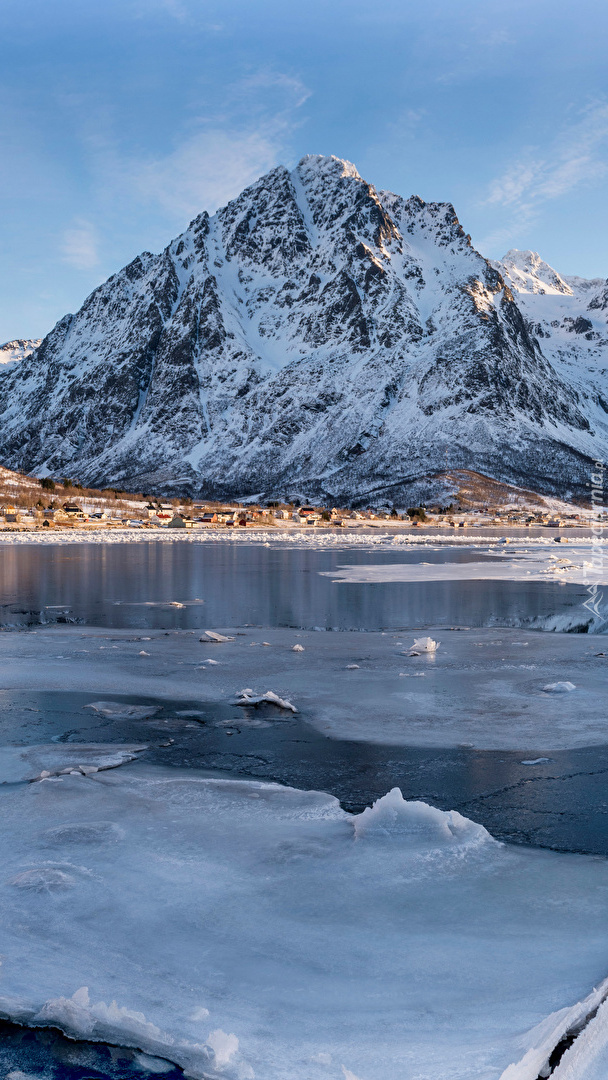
[(12, 351), (316, 337)]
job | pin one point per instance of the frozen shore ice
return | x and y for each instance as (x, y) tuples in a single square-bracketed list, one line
[(205, 932)]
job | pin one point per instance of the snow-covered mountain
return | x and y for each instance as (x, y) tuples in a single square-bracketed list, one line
[(320, 338), (569, 318), (12, 351)]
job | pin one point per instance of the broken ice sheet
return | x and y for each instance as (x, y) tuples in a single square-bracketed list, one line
[(18, 763), (242, 928), (467, 694)]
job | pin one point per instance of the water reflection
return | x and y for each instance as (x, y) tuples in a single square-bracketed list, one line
[(135, 586)]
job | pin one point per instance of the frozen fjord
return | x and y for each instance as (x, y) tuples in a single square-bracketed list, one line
[(197, 914), (482, 687)]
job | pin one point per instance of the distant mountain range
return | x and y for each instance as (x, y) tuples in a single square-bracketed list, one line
[(321, 339)]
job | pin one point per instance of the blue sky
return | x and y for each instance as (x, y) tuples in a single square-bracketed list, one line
[(122, 119)]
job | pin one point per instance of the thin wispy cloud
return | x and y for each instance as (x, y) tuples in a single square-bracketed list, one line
[(226, 149), (577, 158), (206, 170), (80, 245)]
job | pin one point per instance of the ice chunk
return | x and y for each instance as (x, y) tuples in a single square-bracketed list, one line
[(559, 687), (224, 1046), (419, 824), (143, 652), (536, 761), (211, 635), (269, 698), (352, 667), (297, 648), (583, 1028), (78, 1016), (424, 645)]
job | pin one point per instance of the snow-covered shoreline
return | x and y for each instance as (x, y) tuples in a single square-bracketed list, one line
[(334, 538)]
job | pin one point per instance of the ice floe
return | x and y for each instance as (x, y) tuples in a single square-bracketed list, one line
[(520, 563)]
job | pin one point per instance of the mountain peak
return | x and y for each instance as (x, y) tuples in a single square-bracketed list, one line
[(329, 164), (316, 335), (529, 273)]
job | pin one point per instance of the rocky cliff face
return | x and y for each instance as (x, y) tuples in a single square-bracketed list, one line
[(319, 338)]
